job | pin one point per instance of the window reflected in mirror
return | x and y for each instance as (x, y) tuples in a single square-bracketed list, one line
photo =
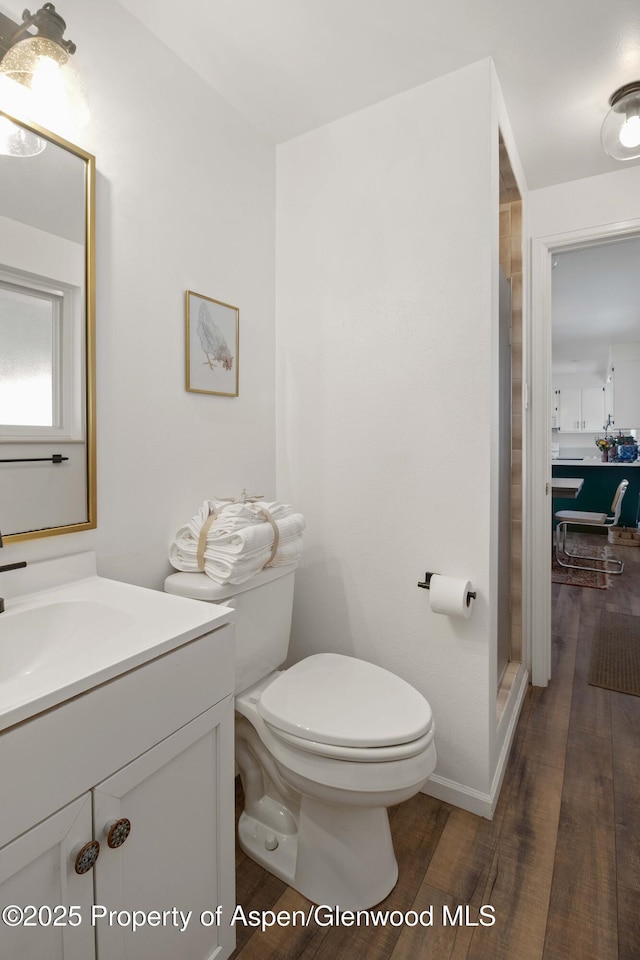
[(29, 373)]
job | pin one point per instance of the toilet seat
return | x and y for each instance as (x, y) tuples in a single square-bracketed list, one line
[(399, 751), (328, 701), (354, 773)]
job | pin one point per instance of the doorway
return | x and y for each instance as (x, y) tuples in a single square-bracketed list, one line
[(538, 501)]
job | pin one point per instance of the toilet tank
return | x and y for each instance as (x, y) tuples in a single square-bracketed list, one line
[(263, 608)]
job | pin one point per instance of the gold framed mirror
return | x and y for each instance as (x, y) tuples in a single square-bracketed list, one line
[(47, 334)]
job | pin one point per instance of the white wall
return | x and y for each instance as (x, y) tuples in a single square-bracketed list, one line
[(44, 255), (580, 204), (185, 200), (386, 250)]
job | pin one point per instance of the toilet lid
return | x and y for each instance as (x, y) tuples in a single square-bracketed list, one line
[(335, 699)]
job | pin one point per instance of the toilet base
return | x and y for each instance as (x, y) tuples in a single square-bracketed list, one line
[(255, 839), (341, 856)]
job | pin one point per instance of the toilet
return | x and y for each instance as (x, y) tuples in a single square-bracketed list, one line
[(323, 748)]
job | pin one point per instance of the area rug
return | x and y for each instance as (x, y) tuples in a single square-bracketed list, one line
[(581, 578), (615, 655)]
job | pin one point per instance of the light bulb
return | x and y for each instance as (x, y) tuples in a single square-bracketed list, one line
[(48, 93), (15, 98), (630, 132), (17, 141)]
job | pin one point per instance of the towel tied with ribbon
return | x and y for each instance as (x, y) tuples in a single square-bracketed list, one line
[(232, 540)]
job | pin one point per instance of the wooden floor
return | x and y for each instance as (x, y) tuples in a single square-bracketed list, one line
[(560, 862)]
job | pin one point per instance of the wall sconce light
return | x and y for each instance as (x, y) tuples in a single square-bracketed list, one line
[(620, 132), (37, 80), (16, 141)]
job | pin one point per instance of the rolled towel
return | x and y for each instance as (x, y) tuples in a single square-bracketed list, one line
[(239, 541), (254, 541), (231, 517), (237, 570)]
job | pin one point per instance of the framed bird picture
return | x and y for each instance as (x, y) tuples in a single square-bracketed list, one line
[(212, 346)]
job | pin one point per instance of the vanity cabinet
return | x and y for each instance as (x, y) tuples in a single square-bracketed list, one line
[(176, 858), (149, 750), (36, 872)]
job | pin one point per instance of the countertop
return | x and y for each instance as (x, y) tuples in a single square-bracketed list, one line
[(104, 628), (592, 462)]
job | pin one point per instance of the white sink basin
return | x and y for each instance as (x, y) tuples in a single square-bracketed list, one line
[(58, 642), (33, 638)]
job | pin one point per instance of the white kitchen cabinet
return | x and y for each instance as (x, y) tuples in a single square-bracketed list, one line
[(626, 393), (580, 409), (555, 410), (593, 409), (147, 747), (569, 401)]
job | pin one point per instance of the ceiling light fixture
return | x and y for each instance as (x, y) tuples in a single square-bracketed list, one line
[(38, 82), (620, 132)]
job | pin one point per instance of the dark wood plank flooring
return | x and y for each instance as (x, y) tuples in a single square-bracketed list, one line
[(559, 863)]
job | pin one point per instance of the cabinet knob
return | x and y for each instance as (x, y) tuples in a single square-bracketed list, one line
[(84, 858), (117, 831)]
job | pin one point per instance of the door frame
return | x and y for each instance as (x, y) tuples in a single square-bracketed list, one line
[(539, 436)]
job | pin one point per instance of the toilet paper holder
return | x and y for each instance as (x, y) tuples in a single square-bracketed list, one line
[(471, 594)]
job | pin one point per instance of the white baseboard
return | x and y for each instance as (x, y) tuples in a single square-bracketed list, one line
[(460, 795)]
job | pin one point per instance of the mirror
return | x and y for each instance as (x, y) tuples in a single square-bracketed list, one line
[(47, 324)]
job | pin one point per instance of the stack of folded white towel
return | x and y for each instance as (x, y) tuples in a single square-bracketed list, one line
[(239, 541)]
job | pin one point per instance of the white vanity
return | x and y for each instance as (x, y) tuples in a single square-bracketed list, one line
[(116, 729)]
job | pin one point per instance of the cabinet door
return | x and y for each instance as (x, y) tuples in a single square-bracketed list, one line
[(36, 870), (570, 409), (179, 855), (609, 418), (626, 394), (593, 413)]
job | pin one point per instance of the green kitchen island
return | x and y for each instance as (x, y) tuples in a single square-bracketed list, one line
[(600, 483)]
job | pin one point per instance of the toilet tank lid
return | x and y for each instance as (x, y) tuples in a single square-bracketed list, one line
[(199, 586), (330, 698)]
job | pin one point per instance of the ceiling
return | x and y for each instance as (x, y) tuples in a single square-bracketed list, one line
[(595, 303), (292, 65)]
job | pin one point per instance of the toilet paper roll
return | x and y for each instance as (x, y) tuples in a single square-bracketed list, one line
[(448, 595)]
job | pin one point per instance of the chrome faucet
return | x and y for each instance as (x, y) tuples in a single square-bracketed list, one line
[(9, 566)]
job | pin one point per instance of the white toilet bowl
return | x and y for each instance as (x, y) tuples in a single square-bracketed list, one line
[(323, 748), (315, 810)]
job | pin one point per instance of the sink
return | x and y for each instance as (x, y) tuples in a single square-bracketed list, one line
[(60, 637), (34, 638)]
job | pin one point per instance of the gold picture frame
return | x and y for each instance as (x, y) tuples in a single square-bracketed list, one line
[(212, 340)]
